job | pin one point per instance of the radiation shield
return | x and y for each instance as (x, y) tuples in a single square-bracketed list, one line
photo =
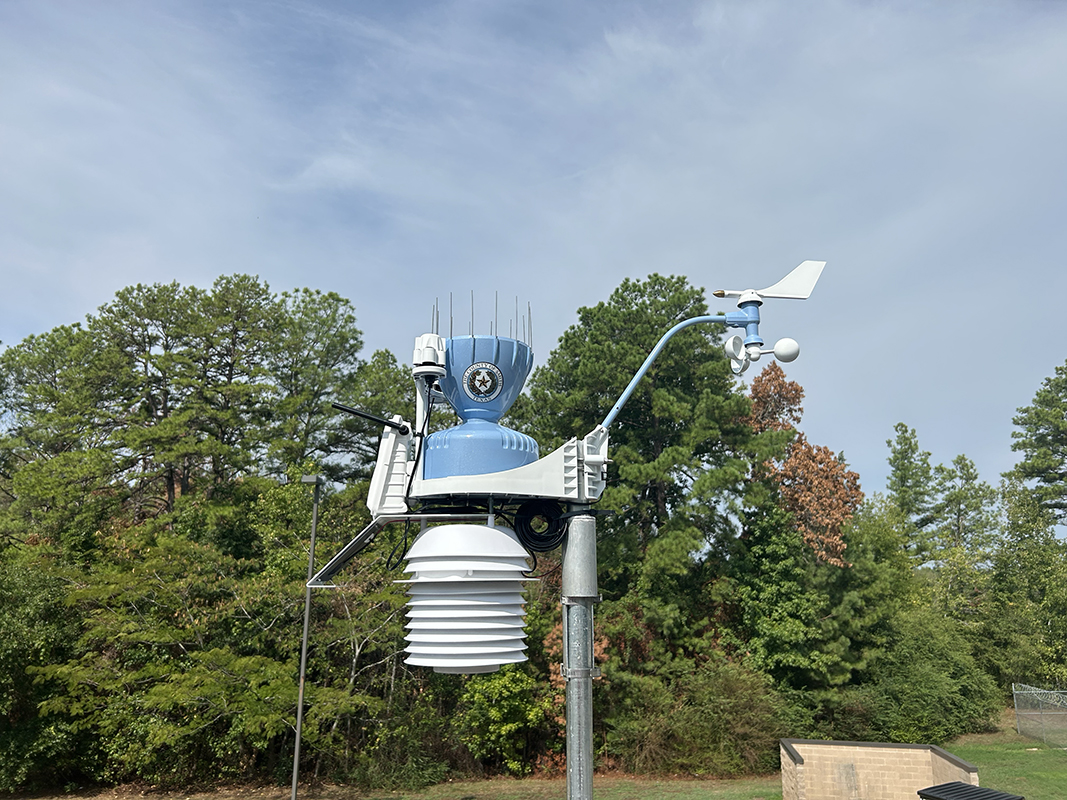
[(465, 609)]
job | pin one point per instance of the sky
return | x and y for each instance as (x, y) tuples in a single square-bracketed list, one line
[(541, 152)]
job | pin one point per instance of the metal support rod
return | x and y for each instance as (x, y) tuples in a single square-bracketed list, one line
[(719, 318), (318, 480), (579, 595), (355, 412)]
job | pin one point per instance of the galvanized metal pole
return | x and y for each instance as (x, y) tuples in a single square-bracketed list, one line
[(318, 480), (579, 595)]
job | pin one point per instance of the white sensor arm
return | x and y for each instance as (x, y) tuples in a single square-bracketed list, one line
[(615, 409), (797, 285)]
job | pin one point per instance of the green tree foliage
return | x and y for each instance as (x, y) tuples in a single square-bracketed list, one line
[(59, 474), (992, 564), (148, 331), (706, 717), (868, 657), (911, 488), (36, 629), (683, 449), (927, 687), (153, 555), (964, 533), (1022, 632), (503, 717), (814, 627), (1041, 437), (138, 456), (788, 561), (314, 363), (184, 668), (679, 445), (171, 391), (952, 523)]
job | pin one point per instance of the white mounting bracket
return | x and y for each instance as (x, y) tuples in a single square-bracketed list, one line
[(573, 473), (388, 483)]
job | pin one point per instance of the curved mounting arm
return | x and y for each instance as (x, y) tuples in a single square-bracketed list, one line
[(615, 409)]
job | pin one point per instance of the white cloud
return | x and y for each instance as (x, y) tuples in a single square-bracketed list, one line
[(548, 151)]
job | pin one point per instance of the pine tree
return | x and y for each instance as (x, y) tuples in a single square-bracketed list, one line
[(911, 488), (1042, 439)]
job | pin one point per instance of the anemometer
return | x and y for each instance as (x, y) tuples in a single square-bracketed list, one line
[(485, 498)]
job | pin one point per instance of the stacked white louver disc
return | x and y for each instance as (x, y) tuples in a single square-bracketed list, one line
[(465, 613)]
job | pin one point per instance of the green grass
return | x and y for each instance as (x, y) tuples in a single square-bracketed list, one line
[(1012, 763), (604, 788), (1005, 760)]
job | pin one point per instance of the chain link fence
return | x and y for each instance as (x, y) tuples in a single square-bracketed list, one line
[(1041, 714)]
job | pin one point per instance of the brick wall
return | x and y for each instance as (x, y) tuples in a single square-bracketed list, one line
[(792, 779), (824, 770)]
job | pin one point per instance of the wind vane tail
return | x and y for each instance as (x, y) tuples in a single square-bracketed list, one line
[(797, 285)]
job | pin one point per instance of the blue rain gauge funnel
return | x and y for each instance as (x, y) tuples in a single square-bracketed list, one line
[(483, 377)]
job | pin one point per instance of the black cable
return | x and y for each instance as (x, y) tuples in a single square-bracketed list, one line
[(464, 510), (420, 442), (390, 564), (530, 572), (543, 537)]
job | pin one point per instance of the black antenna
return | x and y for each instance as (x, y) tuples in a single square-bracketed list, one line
[(450, 315), (496, 311), (404, 429), (472, 313)]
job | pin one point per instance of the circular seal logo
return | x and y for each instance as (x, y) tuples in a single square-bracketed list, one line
[(482, 381)]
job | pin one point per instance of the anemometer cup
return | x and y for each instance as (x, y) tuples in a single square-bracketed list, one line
[(735, 351), (785, 350)]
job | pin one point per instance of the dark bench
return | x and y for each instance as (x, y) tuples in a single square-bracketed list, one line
[(963, 791)]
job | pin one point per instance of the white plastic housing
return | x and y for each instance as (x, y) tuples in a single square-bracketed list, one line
[(466, 608)]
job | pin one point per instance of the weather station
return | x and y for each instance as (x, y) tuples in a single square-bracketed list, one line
[(485, 500)]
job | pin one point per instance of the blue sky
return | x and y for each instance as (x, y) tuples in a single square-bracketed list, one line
[(397, 152)]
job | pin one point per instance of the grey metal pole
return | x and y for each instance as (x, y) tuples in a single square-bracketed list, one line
[(579, 595), (318, 480)]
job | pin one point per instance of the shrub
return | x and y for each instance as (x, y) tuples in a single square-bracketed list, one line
[(928, 688), (505, 718), (716, 718)]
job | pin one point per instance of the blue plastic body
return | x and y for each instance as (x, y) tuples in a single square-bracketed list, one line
[(475, 448), (483, 377), (747, 318)]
